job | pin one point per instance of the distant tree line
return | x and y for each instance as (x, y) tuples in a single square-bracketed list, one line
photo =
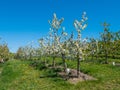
[(4, 51)]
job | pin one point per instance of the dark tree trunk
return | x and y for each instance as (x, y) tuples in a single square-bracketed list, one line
[(53, 64), (106, 57), (30, 56), (92, 58), (45, 61), (78, 67), (97, 56), (64, 62)]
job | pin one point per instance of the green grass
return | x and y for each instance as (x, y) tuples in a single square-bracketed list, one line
[(19, 75)]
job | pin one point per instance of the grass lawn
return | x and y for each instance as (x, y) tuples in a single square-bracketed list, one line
[(19, 75)]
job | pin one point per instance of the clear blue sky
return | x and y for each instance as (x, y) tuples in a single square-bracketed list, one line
[(22, 21)]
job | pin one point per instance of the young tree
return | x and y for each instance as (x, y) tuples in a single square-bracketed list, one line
[(55, 26), (116, 45), (19, 54), (63, 47), (94, 48), (4, 50), (79, 26), (106, 39), (42, 49)]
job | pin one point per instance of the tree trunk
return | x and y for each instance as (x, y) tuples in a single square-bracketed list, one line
[(106, 57), (97, 56), (45, 60), (64, 63), (92, 56), (78, 67), (53, 62), (30, 56)]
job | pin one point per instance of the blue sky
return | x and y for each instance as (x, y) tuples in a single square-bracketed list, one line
[(23, 21)]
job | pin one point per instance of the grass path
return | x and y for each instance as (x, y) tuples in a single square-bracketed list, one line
[(18, 75)]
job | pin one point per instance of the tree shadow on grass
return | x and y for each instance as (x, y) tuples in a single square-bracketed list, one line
[(51, 73)]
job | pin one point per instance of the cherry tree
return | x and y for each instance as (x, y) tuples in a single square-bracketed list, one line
[(78, 48), (63, 47), (106, 38), (43, 49), (55, 26)]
